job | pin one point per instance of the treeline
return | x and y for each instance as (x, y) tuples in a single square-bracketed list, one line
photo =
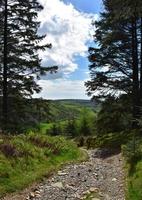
[(26, 114), (82, 125), (20, 65)]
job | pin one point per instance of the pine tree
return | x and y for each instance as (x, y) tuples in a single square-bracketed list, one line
[(116, 62), (55, 130), (84, 127), (19, 59), (114, 115), (71, 129)]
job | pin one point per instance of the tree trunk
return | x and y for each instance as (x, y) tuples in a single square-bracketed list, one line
[(141, 62), (5, 68), (135, 74)]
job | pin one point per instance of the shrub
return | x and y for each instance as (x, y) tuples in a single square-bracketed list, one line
[(132, 150), (10, 151)]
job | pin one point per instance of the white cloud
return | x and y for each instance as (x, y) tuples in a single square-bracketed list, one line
[(68, 30), (62, 89)]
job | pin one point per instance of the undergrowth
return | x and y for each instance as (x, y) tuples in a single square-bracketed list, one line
[(132, 152), (25, 159)]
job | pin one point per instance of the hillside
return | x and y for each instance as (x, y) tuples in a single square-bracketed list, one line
[(38, 111), (68, 108), (28, 158), (67, 116), (81, 102)]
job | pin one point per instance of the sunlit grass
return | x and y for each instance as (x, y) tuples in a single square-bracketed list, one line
[(135, 183), (34, 161)]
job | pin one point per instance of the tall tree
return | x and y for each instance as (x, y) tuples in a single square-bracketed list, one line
[(19, 60), (5, 67), (71, 129), (116, 61)]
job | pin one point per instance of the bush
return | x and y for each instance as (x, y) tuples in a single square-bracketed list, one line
[(133, 150), (27, 158), (114, 116)]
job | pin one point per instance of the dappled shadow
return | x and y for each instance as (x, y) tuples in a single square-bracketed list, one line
[(132, 169), (106, 152), (133, 164)]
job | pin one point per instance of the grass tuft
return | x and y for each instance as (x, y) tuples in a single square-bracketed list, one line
[(26, 159)]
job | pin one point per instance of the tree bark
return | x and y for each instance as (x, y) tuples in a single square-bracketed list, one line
[(135, 74), (5, 68), (141, 62)]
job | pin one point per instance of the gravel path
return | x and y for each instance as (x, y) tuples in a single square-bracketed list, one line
[(101, 175)]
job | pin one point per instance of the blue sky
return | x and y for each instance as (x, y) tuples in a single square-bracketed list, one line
[(88, 6), (67, 24)]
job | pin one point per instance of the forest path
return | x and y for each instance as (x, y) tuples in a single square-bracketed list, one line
[(99, 178)]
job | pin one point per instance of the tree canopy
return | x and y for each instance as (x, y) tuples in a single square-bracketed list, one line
[(116, 61), (20, 65)]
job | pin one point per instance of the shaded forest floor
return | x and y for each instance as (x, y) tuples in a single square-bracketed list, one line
[(101, 177)]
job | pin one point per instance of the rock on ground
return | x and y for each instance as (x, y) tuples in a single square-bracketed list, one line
[(102, 174)]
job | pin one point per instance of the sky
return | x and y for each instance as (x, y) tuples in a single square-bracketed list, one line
[(67, 25)]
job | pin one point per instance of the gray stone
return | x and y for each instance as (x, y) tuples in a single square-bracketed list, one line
[(58, 184), (114, 179), (94, 189), (75, 182)]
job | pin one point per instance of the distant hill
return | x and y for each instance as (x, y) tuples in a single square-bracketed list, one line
[(68, 108), (31, 112), (81, 102)]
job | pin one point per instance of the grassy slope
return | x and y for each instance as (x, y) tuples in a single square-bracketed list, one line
[(135, 183), (134, 168), (44, 127), (25, 159), (65, 109)]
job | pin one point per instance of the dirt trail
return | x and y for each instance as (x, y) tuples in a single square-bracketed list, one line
[(100, 178)]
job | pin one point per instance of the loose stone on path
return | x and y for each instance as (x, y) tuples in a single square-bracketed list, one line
[(101, 176)]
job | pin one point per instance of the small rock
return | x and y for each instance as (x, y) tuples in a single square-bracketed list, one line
[(32, 195), (58, 184), (70, 187), (37, 192), (38, 195), (101, 194), (95, 174), (48, 187), (95, 199), (86, 192), (114, 179), (94, 189), (62, 173), (77, 196)]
